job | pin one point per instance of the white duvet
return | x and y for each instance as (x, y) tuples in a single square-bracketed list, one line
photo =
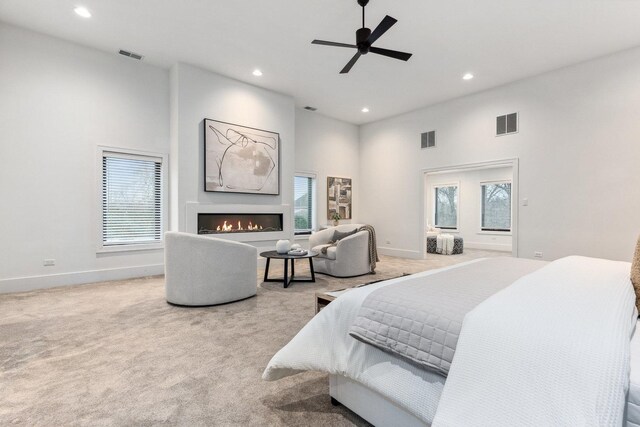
[(552, 349), (324, 345)]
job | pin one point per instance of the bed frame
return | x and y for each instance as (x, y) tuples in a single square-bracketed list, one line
[(369, 404)]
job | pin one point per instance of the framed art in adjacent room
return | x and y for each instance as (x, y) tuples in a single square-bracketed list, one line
[(240, 159), (339, 193)]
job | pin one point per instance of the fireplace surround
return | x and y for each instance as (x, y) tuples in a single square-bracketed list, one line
[(205, 219)]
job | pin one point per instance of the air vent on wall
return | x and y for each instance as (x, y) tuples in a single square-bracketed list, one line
[(428, 139), (310, 108), (131, 54), (507, 124)]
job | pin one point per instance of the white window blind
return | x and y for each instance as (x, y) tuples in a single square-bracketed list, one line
[(131, 199), (303, 204)]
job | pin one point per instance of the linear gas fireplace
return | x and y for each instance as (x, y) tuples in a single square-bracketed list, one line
[(244, 223), (224, 223)]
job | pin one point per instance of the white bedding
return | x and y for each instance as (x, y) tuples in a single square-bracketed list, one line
[(568, 367), (324, 345), (633, 400)]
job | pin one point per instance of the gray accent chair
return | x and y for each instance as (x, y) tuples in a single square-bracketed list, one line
[(202, 270), (350, 257)]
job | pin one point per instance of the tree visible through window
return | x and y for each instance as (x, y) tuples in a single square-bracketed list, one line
[(446, 207), (496, 207), (303, 204)]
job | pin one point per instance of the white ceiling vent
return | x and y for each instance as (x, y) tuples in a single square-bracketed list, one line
[(428, 139), (131, 54), (507, 124)]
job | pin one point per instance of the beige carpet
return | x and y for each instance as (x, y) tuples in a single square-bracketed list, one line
[(116, 353)]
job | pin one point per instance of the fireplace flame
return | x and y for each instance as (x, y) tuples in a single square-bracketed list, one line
[(229, 227)]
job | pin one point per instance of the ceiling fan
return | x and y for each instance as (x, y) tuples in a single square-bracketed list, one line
[(365, 38)]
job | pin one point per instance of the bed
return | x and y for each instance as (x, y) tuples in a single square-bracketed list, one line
[(386, 389)]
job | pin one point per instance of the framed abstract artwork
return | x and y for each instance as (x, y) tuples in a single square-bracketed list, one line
[(339, 193), (240, 159)]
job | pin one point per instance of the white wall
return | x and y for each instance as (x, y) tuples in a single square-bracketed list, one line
[(58, 102), (470, 205), (578, 148), (197, 94), (328, 147)]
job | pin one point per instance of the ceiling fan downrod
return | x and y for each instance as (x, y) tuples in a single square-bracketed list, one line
[(363, 3), (362, 34)]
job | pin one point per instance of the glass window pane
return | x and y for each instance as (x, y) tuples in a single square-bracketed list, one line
[(446, 207), (302, 204), (496, 207)]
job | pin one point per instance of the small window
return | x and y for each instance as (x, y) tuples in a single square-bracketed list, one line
[(496, 206), (132, 199), (304, 193), (446, 207)]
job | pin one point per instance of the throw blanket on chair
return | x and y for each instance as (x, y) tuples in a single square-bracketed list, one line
[(373, 246)]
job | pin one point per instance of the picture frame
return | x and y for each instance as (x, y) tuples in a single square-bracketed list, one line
[(240, 159), (339, 197)]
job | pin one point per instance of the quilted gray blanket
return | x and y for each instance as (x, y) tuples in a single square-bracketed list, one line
[(420, 318)]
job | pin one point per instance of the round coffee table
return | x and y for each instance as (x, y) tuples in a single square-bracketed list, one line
[(286, 257)]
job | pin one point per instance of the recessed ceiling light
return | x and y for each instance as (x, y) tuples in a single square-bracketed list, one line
[(257, 72), (365, 110), (467, 76), (82, 11)]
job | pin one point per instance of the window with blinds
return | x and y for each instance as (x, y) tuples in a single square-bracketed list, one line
[(131, 199), (303, 204)]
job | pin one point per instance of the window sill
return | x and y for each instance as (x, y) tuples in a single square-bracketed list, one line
[(129, 248), (495, 233)]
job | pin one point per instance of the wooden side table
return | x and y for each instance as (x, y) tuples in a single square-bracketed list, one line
[(323, 299)]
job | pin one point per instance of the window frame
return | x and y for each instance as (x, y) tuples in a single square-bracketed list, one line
[(314, 182), (127, 153), (495, 231), (435, 205)]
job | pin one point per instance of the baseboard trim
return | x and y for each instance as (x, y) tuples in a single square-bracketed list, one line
[(31, 283), (400, 253), (488, 246)]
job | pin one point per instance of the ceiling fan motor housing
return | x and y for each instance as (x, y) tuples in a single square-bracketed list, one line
[(361, 40)]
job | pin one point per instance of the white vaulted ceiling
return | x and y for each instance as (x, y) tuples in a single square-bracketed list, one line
[(499, 41)]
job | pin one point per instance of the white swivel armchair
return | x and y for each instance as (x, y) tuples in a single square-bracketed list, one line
[(348, 258), (201, 270)]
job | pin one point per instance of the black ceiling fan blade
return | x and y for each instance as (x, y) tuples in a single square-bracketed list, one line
[(350, 63), (326, 43), (382, 28), (403, 56)]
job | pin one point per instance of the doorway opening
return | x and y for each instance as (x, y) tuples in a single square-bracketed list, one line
[(475, 203)]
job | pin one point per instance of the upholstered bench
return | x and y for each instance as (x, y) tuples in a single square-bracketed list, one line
[(458, 245)]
